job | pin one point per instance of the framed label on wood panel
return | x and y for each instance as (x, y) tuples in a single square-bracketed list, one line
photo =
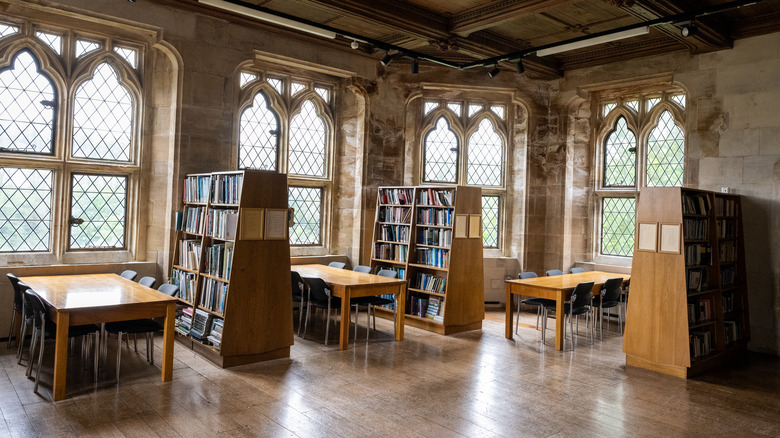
[(647, 237), (461, 225), (475, 226), (276, 224), (670, 238), (251, 224)]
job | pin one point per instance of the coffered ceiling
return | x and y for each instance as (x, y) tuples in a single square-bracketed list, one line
[(468, 32)]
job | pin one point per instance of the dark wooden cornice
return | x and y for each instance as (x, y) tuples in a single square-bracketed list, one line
[(497, 12)]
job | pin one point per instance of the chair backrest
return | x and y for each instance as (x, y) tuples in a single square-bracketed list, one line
[(387, 273), (529, 274), (35, 305), (168, 289), (297, 284), (128, 274), (363, 269), (552, 272), (27, 309), (338, 265), (147, 281), (611, 290), (318, 289), (582, 294), (18, 299), (576, 270)]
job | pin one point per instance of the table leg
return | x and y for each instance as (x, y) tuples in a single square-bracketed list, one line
[(344, 326), (168, 334), (400, 304), (559, 321), (508, 319), (60, 356)]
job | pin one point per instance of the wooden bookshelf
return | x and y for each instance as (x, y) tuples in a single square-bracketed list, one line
[(414, 234), (688, 309), (226, 271)]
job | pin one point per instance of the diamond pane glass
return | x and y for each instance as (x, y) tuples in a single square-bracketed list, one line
[(473, 109), (652, 102), (665, 153), (633, 104), (485, 156), (258, 136), (52, 40), (619, 159), (277, 85), (25, 209), (27, 105), (246, 78), (441, 154), (6, 30), (297, 87), (103, 117), (490, 221), (679, 99), (498, 110), (307, 204), (324, 94), (617, 226), (101, 202), (430, 106), (308, 138), (83, 47), (456, 108), (608, 108), (129, 55)]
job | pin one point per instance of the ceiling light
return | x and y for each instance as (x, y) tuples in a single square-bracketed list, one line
[(587, 42), (520, 66), (264, 16), (386, 60), (355, 45), (415, 66), (493, 73), (688, 30)]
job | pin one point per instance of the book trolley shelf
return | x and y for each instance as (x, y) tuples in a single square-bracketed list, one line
[(422, 233), (688, 309), (232, 273)]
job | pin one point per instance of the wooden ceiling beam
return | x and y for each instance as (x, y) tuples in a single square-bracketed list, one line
[(495, 13)]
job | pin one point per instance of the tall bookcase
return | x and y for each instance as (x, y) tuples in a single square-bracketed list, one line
[(423, 234), (232, 274), (688, 306)]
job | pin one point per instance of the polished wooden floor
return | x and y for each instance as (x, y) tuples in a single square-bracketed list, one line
[(475, 384)]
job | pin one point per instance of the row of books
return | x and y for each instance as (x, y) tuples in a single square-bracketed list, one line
[(396, 196), (695, 229), (437, 257), (695, 203), (434, 216), (399, 215), (196, 188), (727, 251), (698, 254), (435, 197), (194, 220), (215, 334), (725, 207), (394, 233), (697, 279), (189, 254), (727, 276), (213, 295), (728, 302), (435, 236), (187, 282), (183, 323), (226, 189), (201, 324), (434, 309), (733, 331), (699, 311), (430, 283), (727, 229), (222, 224), (700, 343), (219, 259), (425, 307), (391, 251)]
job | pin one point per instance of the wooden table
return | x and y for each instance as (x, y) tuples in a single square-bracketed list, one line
[(558, 288), (99, 298), (349, 284)]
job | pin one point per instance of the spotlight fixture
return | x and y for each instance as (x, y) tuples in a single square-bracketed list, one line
[(520, 66), (386, 60), (493, 73), (415, 66), (355, 45), (688, 30)]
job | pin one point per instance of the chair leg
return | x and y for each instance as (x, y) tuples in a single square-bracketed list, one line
[(31, 352), (369, 309), (300, 317), (150, 342), (327, 325), (40, 357), (96, 364), (118, 354), (11, 330), (22, 335)]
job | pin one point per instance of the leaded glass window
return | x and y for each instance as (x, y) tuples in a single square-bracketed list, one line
[(473, 109), (27, 107), (490, 214), (247, 78), (608, 108), (633, 104), (6, 30), (129, 55), (665, 153), (296, 87), (258, 136), (52, 40), (617, 226), (430, 106), (456, 108), (485, 156), (25, 209), (102, 117), (620, 156), (498, 110), (324, 93), (308, 140), (307, 204), (679, 99), (98, 211), (441, 154), (84, 46), (276, 84)]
